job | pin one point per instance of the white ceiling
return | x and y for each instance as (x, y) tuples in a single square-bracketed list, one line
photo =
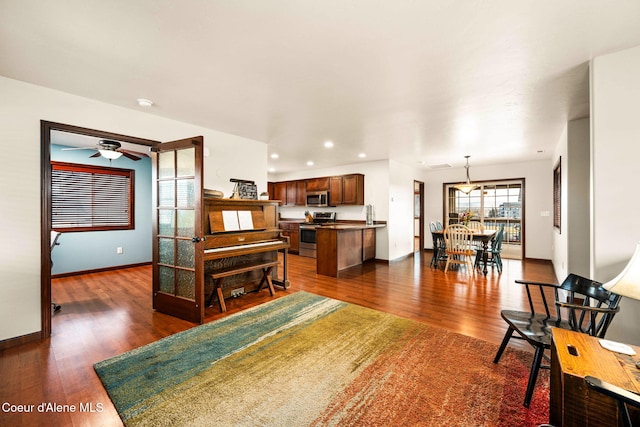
[(414, 81)]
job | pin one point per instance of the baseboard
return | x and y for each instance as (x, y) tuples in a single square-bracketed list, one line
[(23, 339), (98, 270)]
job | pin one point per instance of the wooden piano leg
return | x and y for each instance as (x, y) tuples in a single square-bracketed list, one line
[(266, 278), (218, 286), (284, 283)]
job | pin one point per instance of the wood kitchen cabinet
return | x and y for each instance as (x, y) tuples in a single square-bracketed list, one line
[(353, 189), (346, 190), (318, 184), (335, 191), (291, 193), (301, 193), (343, 190), (280, 192), (368, 244), (291, 230)]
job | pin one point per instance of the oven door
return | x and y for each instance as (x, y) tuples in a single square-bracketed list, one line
[(307, 244)]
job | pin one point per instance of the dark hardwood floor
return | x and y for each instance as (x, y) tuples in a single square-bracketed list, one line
[(105, 314)]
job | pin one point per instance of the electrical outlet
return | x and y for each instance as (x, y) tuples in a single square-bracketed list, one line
[(119, 250)]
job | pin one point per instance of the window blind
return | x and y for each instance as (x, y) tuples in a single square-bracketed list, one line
[(91, 198)]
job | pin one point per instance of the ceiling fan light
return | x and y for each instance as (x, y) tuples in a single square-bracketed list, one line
[(111, 155)]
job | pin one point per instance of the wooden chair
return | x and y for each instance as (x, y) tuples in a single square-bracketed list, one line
[(587, 308), (439, 253), (494, 253), (459, 246)]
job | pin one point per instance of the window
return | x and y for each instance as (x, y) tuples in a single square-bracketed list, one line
[(91, 198), (495, 204), (557, 193)]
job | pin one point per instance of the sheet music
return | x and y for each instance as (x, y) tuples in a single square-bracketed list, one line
[(245, 220), (230, 220)]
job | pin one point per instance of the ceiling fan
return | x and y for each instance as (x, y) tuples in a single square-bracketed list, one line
[(111, 150)]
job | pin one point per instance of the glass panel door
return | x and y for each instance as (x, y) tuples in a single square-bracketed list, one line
[(178, 276), (494, 203)]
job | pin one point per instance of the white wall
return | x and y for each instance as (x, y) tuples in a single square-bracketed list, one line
[(571, 244), (401, 192), (22, 106), (615, 139), (538, 198)]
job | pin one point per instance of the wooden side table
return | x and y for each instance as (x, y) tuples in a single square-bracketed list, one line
[(574, 356)]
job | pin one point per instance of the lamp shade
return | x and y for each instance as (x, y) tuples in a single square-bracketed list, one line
[(627, 283)]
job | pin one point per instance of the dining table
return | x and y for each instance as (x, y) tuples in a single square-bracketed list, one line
[(482, 236)]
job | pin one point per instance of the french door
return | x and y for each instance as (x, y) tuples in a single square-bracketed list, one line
[(494, 203), (178, 241)]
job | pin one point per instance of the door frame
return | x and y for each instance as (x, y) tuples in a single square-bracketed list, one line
[(45, 205), (421, 221)]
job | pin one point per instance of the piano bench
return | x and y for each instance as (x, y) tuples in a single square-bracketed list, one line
[(218, 276)]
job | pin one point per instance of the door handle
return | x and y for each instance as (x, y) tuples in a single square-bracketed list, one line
[(198, 239)]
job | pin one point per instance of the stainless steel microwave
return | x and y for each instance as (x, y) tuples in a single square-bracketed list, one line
[(318, 198)]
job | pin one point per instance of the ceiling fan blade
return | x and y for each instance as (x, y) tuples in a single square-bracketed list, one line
[(129, 156), (135, 153), (96, 155), (78, 148)]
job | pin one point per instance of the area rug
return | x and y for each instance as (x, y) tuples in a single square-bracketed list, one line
[(306, 360)]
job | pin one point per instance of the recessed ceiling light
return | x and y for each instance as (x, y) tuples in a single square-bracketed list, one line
[(309, 163), (144, 102), (362, 155), (272, 169), (274, 156), (328, 144)]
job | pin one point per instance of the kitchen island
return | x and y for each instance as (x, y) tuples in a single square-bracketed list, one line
[(341, 246)]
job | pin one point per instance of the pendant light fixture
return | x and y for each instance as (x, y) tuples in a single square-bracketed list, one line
[(467, 187)]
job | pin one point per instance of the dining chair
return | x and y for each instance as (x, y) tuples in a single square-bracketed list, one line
[(494, 253), (439, 253), (459, 246), (581, 305)]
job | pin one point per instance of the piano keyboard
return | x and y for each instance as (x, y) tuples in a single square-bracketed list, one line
[(247, 246)]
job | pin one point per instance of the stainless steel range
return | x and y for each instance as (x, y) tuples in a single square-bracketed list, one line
[(308, 232)]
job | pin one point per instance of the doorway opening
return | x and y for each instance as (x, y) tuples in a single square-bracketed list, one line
[(46, 131)]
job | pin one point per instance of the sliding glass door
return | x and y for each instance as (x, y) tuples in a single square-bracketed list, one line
[(493, 203)]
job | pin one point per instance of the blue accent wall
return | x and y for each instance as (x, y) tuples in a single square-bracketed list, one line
[(81, 251)]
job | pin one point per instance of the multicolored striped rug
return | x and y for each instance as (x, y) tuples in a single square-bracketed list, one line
[(306, 360)]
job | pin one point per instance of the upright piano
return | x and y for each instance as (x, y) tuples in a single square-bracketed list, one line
[(241, 248)]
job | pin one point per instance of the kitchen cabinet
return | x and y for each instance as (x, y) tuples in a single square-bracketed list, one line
[(343, 190), (318, 184), (346, 190), (280, 192), (335, 191), (368, 244), (342, 246), (301, 193), (292, 230), (291, 193)]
